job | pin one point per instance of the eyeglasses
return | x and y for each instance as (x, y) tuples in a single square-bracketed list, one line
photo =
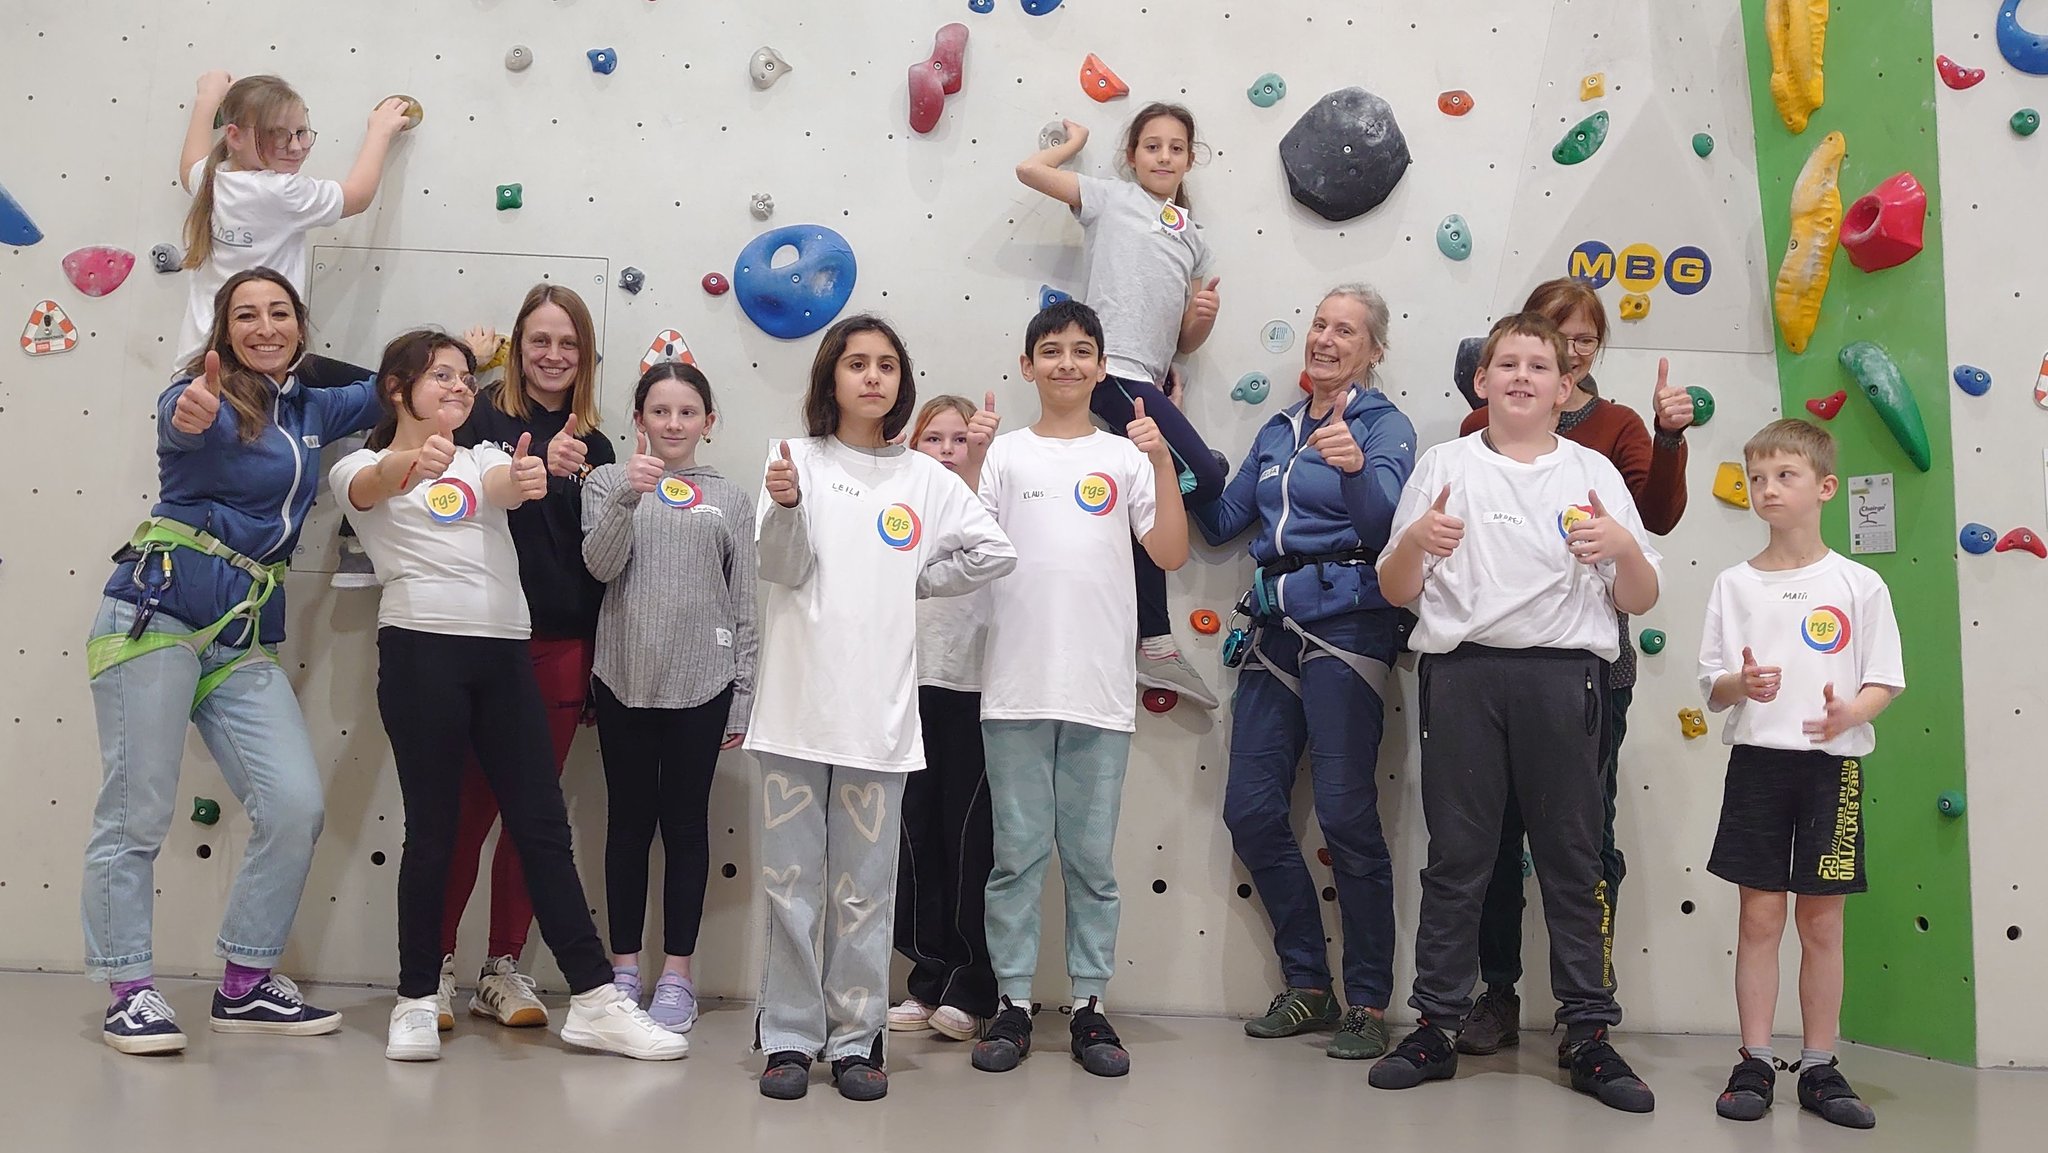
[(1583, 345), (283, 138), (446, 379)]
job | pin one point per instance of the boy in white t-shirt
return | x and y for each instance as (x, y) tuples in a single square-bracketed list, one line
[(1801, 647), (1516, 547), (1059, 697)]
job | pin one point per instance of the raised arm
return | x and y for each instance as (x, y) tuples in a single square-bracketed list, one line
[(206, 101), (1043, 172), (359, 187)]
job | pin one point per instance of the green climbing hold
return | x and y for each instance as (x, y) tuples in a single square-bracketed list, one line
[(1702, 145), (1582, 141), (1881, 381), (508, 196), (2025, 121), (1951, 803), (1702, 405), (1652, 641), (205, 811), (1267, 90)]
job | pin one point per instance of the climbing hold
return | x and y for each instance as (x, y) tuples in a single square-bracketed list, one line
[(1950, 803), (518, 58), (1465, 368), (1593, 86), (48, 331), (716, 284), (1977, 539), (414, 111), (2025, 121), (1634, 306), (1830, 406), (15, 227), (1882, 382), (1883, 227), (99, 270), (1955, 75), (1692, 723), (1582, 141), (1798, 34), (1454, 102), (1702, 405), (205, 811), (632, 280), (1039, 7), (1101, 85), (2022, 49), (508, 196), (1652, 641), (2041, 384), (1277, 336), (1160, 700), (1052, 135), (1454, 237), (667, 345), (1252, 388), (2025, 540), (767, 66), (800, 298), (982, 6), (603, 60), (1049, 296), (1267, 90), (1810, 253), (1323, 857), (1730, 486), (498, 357), (1206, 622), (1528, 865), (166, 258), (1345, 155), (1307, 385), (937, 76), (1702, 145), (762, 206), (1972, 379)]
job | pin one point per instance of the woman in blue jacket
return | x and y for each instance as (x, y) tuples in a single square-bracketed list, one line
[(1319, 486), (184, 636)]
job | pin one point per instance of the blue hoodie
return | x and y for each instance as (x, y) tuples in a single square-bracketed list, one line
[(1303, 507), (253, 496)]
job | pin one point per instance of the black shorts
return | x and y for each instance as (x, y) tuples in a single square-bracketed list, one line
[(1791, 821)]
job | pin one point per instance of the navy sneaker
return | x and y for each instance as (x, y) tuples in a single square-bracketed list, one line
[(142, 1023), (273, 1006)]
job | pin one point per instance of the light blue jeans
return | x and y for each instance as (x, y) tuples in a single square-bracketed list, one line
[(252, 725)]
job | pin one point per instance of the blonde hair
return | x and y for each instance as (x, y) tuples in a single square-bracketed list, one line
[(936, 405), (510, 395), (254, 103), (1793, 437)]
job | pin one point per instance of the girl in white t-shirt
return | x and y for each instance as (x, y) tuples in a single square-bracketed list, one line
[(854, 529), (453, 675)]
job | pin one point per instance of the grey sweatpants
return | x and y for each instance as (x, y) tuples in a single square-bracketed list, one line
[(1531, 717)]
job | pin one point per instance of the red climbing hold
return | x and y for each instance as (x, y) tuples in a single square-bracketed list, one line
[(2023, 538), (98, 270), (1828, 407), (1456, 102), (937, 77), (1955, 75), (1160, 700), (1883, 227), (1306, 384), (1323, 855), (716, 285), (1101, 85)]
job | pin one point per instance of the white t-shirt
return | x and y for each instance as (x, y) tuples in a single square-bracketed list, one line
[(442, 552), (1143, 254), (952, 633), (838, 672), (260, 220), (1828, 623), (1512, 582), (1063, 638)]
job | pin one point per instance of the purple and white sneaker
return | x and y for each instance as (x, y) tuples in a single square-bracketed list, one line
[(274, 1006), (675, 1003), (142, 1022)]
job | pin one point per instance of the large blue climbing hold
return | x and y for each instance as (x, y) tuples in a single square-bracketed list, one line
[(2024, 50), (1040, 7), (1049, 296), (801, 297), (15, 226)]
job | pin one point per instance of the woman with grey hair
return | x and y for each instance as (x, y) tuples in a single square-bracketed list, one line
[(1314, 642)]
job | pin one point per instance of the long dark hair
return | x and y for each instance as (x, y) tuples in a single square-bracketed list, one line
[(247, 390), (821, 403), (1136, 133), (406, 360)]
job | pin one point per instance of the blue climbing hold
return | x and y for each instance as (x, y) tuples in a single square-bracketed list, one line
[(603, 60), (1039, 7), (2024, 50), (1049, 296), (801, 297), (15, 226), (1252, 388), (1972, 379), (982, 6), (1977, 539)]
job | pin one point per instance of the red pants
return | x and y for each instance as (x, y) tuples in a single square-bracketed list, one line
[(563, 669)]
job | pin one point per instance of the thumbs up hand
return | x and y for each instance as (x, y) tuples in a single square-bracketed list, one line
[(1207, 301), (199, 404), (1437, 532), (981, 427), (1837, 717), (1599, 537), (643, 469), (567, 454), (529, 472), (1143, 432), (1759, 682), (782, 481), (1673, 406), (434, 458), (1337, 445)]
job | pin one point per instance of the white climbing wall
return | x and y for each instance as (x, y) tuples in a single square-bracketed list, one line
[(653, 165), (1997, 271)]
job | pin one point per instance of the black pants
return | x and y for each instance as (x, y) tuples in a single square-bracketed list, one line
[(441, 696), (1528, 720), (948, 851), (658, 768), (1111, 401)]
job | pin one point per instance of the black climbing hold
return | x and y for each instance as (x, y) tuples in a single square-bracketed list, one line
[(1467, 366), (632, 280), (1345, 155)]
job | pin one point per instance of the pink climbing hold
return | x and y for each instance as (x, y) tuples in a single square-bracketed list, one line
[(1955, 75), (2023, 539), (937, 76), (1883, 227), (98, 270)]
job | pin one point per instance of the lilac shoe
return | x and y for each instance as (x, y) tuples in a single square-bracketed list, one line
[(675, 1003), (627, 981)]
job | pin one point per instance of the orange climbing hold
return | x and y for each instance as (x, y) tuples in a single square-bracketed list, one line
[(1101, 85), (1456, 102), (1206, 622)]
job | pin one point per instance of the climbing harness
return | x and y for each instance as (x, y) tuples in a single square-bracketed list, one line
[(150, 550)]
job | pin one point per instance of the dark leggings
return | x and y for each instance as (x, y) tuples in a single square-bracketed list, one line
[(441, 696), (658, 767), (1112, 402), (949, 847)]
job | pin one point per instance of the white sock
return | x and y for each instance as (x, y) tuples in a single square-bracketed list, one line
[(1081, 1003), (1159, 648)]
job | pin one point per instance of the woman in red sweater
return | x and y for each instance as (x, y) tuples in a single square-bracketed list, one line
[(1654, 467)]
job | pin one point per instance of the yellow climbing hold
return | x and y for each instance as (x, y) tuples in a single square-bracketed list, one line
[(1594, 86), (1730, 487), (1635, 306), (1810, 253), (1798, 34)]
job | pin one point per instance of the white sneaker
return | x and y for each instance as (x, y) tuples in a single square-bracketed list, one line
[(958, 1024), (505, 994), (1175, 674), (444, 996), (415, 1032), (910, 1015), (603, 1019)]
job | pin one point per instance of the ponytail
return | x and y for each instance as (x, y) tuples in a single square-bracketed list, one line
[(199, 221), (255, 103)]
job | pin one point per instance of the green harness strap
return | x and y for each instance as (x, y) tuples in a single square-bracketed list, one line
[(162, 534)]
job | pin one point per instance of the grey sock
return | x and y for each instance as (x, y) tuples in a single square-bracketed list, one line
[(1762, 1053), (1814, 1058)]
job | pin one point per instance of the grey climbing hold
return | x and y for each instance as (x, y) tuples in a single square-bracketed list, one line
[(1052, 135), (1454, 237), (632, 280), (1267, 90), (1345, 155), (166, 258), (1466, 367), (762, 206), (518, 58), (767, 67)]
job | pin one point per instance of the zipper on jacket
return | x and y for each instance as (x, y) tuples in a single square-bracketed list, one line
[(284, 512)]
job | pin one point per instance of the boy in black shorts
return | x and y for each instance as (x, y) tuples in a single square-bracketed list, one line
[(1801, 648)]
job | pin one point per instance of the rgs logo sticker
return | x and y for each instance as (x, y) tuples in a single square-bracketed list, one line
[(1640, 267)]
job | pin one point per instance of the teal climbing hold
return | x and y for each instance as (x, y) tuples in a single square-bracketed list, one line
[(1454, 237), (1885, 386), (1652, 641), (2025, 121), (1702, 145), (1702, 404), (205, 811), (1582, 141), (509, 196), (1951, 803), (1267, 90), (1252, 388), (15, 226)]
